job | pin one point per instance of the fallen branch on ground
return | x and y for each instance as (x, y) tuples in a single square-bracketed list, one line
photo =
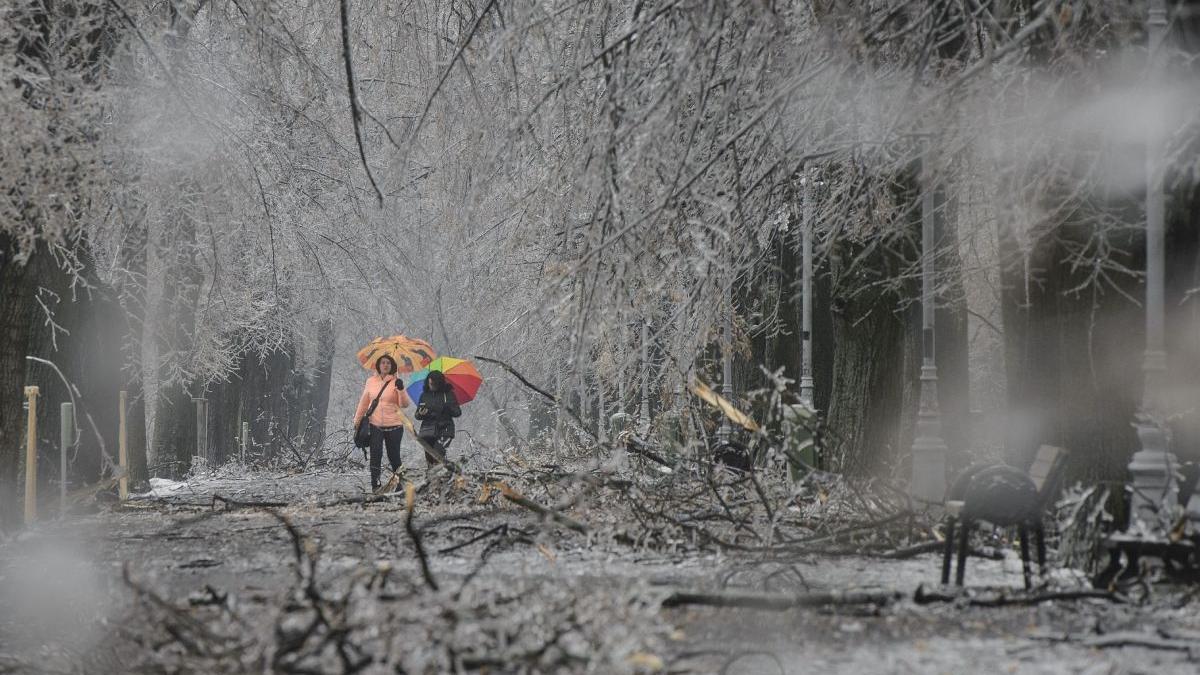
[(410, 499), (520, 500), (502, 529), (1010, 598), (779, 602), (234, 503), (912, 551), (1127, 639), (639, 447)]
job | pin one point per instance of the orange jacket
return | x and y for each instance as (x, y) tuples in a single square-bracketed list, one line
[(387, 413)]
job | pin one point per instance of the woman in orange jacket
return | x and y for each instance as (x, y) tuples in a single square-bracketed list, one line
[(387, 422)]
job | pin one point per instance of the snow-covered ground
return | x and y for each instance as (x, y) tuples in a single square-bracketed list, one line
[(65, 604)]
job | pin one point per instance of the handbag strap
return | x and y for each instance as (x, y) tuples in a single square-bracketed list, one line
[(375, 403)]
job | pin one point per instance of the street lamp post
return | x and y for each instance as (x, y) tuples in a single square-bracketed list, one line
[(928, 449), (726, 357), (601, 410), (806, 297), (624, 356), (682, 365), (644, 409), (1152, 468)]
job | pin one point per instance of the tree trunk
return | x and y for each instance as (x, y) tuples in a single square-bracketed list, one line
[(321, 380), (17, 285), (280, 386), (139, 473), (174, 412), (253, 388), (951, 337), (1072, 358), (54, 334), (224, 416), (1183, 318), (132, 297), (85, 343), (874, 367), (866, 401)]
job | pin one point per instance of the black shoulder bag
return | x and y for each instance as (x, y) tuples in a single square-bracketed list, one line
[(362, 435)]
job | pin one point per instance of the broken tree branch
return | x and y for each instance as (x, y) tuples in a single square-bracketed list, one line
[(777, 602), (1125, 639), (542, 392), (520, 500), (410, 499), (233, 503), (502, 529), (355, 114), (1008, 598)]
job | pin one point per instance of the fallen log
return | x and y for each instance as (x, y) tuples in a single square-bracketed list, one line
[(778, 602)]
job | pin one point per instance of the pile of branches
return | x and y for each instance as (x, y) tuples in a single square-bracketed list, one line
[(376, 618), (634, 496), (673, 493)]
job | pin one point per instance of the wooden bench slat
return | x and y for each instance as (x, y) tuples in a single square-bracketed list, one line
[(1046, 463)]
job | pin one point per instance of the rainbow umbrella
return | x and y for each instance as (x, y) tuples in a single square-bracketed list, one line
[(464, 379), (410, 353)]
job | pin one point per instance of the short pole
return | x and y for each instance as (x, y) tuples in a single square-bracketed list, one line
[(123, 447), (245, 446), (66, 438), (31, 394)]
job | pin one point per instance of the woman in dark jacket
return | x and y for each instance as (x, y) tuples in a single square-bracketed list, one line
[(436, 410)]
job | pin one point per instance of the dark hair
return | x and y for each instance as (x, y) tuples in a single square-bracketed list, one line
[(437, 379), (379, 362)]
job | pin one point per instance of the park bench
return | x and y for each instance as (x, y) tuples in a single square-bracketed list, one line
[(1178, 550), (1003, 496)]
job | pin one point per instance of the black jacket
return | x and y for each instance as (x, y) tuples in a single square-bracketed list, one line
[(437, 410)]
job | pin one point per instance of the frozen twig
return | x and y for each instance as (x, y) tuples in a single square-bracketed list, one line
[(1005, 597), (410, 506)]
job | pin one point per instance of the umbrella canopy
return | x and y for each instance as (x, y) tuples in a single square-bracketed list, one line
[(409, 353), (462, 376)]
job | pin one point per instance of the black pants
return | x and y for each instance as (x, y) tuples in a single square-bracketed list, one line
[(437, 443), (379, 436)]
